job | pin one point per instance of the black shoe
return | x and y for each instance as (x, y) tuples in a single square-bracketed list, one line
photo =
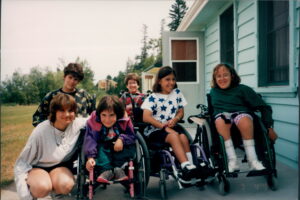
[(188, 172)]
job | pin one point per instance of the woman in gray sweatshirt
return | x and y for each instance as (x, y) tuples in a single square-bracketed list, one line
[(43, 165)]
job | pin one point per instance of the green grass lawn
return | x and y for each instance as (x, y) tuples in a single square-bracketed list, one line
[(15, 129)]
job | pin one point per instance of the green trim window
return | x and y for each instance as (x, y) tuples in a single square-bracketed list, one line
[(273, 42), (227, 39)]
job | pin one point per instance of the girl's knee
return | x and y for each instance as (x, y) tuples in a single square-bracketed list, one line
[(40, 189), (172, 136), (64, 187)]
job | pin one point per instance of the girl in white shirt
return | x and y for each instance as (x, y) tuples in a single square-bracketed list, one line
[(163, 109)]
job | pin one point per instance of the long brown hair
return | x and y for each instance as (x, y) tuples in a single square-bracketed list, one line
[(163, 72), (235, 79)]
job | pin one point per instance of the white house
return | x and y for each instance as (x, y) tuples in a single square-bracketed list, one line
[(260, 39)]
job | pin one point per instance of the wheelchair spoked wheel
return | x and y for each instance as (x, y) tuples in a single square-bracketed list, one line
[(163, 184), (82, 185), (142, 172), (224, 185)]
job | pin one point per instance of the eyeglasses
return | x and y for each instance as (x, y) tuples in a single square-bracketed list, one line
[(220, 76)]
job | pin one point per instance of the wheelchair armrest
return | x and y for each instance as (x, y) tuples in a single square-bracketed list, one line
[(181, 121), (198, 119)]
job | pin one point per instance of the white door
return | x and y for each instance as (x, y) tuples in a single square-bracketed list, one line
[(183, 51)]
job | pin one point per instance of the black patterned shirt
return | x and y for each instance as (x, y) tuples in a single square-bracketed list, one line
[(85, 105)]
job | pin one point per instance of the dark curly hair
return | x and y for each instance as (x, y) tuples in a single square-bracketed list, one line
[(75, 70), (235, 79), (163, 72), (112, 103), (61, 102)]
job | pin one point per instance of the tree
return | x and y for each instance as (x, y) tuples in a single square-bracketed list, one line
[(177, 12)]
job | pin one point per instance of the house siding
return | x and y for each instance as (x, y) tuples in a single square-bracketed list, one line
[(212, 50), (283, 99), (285, 110), (246, 42)]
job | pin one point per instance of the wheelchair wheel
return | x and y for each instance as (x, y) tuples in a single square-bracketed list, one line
[(142, 172), (82, 185), (272, 182), (224, 185), (163, 184)]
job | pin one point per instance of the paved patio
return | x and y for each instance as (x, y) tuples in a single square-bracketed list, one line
[(245, 188)]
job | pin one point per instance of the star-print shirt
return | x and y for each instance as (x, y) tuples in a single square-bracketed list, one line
[(163, 107)]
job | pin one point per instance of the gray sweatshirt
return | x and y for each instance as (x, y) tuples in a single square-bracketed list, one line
[(46, 147)]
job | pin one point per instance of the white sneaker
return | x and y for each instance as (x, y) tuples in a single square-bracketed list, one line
[(256, 165), (233, 166)]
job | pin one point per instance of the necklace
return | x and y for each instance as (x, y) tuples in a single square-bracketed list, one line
[(58, 135)]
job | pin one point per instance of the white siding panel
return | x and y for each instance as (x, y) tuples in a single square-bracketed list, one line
[(212, 48), (212, 58), (246, 28), (212, 38), (285, 113), (246, 15), (246, 42), (212, 27), (248, 80), (246, 68), (242, 5), (210, 67), (298, 5), (287, 161), (287, 149), (246, 55), (284, 101), (287, 131)]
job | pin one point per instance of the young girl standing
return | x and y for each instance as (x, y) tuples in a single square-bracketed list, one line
[(109, 141), (163, 109)]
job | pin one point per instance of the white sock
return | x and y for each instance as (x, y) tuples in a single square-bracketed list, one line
[(230, 152), (184, 164), (250, 149), (189, 157)]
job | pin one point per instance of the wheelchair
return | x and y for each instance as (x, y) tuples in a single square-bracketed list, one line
[(136, 169), (165, 165), (213, 145)]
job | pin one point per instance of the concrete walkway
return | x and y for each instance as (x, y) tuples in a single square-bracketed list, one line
[(245, 188)]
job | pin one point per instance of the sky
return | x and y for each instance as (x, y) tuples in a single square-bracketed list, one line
[(106, 33)]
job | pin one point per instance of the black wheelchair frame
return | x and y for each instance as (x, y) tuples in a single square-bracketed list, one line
[(213, 144), (137, 170), (166, 164)]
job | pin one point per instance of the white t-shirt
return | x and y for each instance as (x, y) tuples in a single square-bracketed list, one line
[(163, 107)]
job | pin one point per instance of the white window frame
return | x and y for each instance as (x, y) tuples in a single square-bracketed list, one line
[(197, 58)]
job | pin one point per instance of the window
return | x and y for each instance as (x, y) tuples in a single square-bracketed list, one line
[(273, 43), (184, 59), (227, 39)]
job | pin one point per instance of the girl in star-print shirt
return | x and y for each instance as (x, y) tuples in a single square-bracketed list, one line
[(162, 110)]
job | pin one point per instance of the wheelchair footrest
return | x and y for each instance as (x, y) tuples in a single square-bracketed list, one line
[(232, 174), (259, 173)]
